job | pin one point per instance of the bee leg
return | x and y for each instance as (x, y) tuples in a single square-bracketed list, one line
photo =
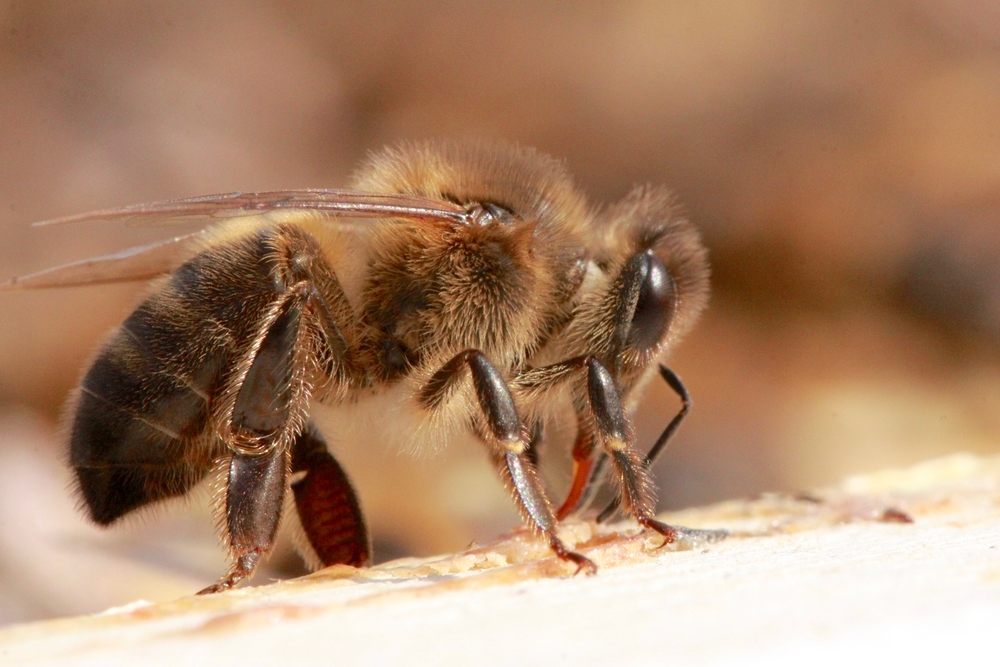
[(327, 505), (519, 473), (654, 452), (254, 498), (588, 469), (540, 380), (635, 483), (509, 442), (258, 470), (583, 473)]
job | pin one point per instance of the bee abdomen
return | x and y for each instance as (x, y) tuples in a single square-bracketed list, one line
[(139, 420)]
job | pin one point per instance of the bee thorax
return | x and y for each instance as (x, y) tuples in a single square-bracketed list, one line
[(480, 287)]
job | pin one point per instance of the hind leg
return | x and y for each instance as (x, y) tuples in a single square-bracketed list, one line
[(254, 495), (327, 506), (269, 401)]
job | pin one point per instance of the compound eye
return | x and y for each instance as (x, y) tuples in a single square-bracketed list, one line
[(655, 306)]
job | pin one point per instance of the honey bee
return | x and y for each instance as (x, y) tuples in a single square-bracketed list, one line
[(458, 287)]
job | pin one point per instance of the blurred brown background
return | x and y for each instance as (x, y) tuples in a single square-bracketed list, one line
[(842, 160)]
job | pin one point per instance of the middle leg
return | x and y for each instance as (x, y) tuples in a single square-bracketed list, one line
[(508, 440)]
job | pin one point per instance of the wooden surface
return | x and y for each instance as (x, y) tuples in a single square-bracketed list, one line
[(835, 576)]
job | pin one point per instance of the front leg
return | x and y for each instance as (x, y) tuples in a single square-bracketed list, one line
[(603, 420), (588, 472), (636, 491), (661, 443), (508, 440)]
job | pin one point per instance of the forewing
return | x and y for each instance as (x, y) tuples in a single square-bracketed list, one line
[(145, 262), (139, 263), (236, 204)]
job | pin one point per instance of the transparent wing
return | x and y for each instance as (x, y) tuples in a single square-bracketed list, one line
[(236, 204), (148, 261), (139, 263)]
